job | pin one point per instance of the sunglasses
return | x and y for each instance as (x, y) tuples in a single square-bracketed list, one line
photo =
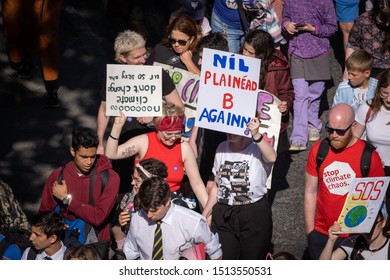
[(339, 131), (181, 42)]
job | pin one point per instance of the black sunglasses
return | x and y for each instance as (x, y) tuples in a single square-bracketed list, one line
[(173, 41), (339, 131)]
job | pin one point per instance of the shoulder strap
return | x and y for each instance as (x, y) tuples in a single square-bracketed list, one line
[(103, 180), (32, 253), (365, 161), (368, 114), (322, 152), (243, 18)]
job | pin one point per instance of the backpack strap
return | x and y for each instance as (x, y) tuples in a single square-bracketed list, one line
[(322, 152), (365, 161), (368, 114), (32, 253)]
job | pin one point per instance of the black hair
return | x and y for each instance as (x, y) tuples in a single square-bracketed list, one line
[(51, 223), (263, 43), (84, 137), (380, 14), (215, 41), (153, 193), (154, 166)]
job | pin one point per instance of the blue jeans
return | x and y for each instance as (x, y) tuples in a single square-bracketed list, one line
[(235, 36)]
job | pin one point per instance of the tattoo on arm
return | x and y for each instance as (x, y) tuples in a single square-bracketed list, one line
[(128, 152)]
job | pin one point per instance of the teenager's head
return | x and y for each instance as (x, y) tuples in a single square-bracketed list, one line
[(215, 41), (148, 168), (170, 125), (359, 65), (154, 197), (130, 48), (259, 44), (47, 228), (382, 92), (84, 149), (183, 34)]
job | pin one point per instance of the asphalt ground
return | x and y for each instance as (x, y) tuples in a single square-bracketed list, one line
[(34, 140)]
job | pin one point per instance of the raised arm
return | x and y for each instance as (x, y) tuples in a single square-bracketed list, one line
[(267, 151), (102, 122)]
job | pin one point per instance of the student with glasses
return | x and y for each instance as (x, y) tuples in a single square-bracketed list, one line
[(164, 144), (371, 246), (373, 117), (178, 49), (327, 186)]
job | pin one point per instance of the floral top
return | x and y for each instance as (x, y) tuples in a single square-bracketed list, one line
[(367, 36)]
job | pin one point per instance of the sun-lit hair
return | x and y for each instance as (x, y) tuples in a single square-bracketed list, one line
[(171, 111), (126, 42), (359, 60), (186, 25)]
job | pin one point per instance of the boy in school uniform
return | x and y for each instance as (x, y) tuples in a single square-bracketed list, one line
[(359, 87), (163, 230), (47, 229)]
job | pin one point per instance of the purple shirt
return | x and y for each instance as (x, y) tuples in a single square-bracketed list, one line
[(321, 14)]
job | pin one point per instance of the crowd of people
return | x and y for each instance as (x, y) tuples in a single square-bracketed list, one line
[(130, 195)]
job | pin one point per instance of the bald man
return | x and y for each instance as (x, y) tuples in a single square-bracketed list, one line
[(327, 188)]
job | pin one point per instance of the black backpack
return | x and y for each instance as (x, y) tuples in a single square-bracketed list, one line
[(365, 160)]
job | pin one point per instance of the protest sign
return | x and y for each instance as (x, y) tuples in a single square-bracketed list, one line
[(362, 204), (187, 85), (134, 90), (227, 91)]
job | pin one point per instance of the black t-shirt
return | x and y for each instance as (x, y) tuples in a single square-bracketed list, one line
[(162, 54), (167, 86)]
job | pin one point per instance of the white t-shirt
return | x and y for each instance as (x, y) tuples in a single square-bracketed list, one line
[(378, 130), (382, 254), (241, 177)]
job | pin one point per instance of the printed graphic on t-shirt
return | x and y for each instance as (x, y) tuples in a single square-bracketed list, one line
[(338, 177), (233, 185), (360, 96)]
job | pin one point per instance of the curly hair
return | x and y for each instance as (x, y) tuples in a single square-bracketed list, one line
[(154, 167), (169, 110), (84, 137)]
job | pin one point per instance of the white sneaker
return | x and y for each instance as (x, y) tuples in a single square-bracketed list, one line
[(313, 134), (296, 147)]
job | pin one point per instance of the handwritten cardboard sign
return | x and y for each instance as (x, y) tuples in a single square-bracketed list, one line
[(136, 90), (362, 204), (187, 85), (227, 91)]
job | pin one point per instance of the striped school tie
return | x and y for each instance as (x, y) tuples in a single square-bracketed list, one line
[(157, 245)]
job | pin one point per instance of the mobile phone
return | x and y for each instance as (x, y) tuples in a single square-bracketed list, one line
[(301, 24)]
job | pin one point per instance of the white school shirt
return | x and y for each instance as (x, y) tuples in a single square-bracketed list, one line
[(182, 228), (59, 255)]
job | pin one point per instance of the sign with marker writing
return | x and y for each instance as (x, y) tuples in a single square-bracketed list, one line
[(362, 204), (227, 91), (136, 90), (187, 85)]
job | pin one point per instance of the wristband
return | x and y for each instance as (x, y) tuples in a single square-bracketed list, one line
[(113, 137), (258, 140)]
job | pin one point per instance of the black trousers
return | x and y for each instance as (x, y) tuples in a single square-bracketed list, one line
[(244, 231)]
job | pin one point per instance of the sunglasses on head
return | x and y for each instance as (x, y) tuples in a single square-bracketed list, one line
[(339, 131), (173, 41)]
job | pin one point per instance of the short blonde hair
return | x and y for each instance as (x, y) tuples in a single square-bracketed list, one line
[(359, 60), (126, 42)]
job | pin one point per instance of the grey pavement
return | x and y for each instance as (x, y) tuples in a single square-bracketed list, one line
[(35, 140)]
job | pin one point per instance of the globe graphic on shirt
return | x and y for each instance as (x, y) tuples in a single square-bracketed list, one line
[(355, 216)]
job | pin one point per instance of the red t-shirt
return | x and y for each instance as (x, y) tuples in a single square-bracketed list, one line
[(335, 177), (170, 155)]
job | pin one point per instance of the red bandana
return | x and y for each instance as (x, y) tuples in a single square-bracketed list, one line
[(171, 124)]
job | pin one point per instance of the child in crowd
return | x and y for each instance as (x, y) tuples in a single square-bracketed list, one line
[(309, 25), (359, 87), (241, 214), (370, 246), (47, 229), (176, 227)]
